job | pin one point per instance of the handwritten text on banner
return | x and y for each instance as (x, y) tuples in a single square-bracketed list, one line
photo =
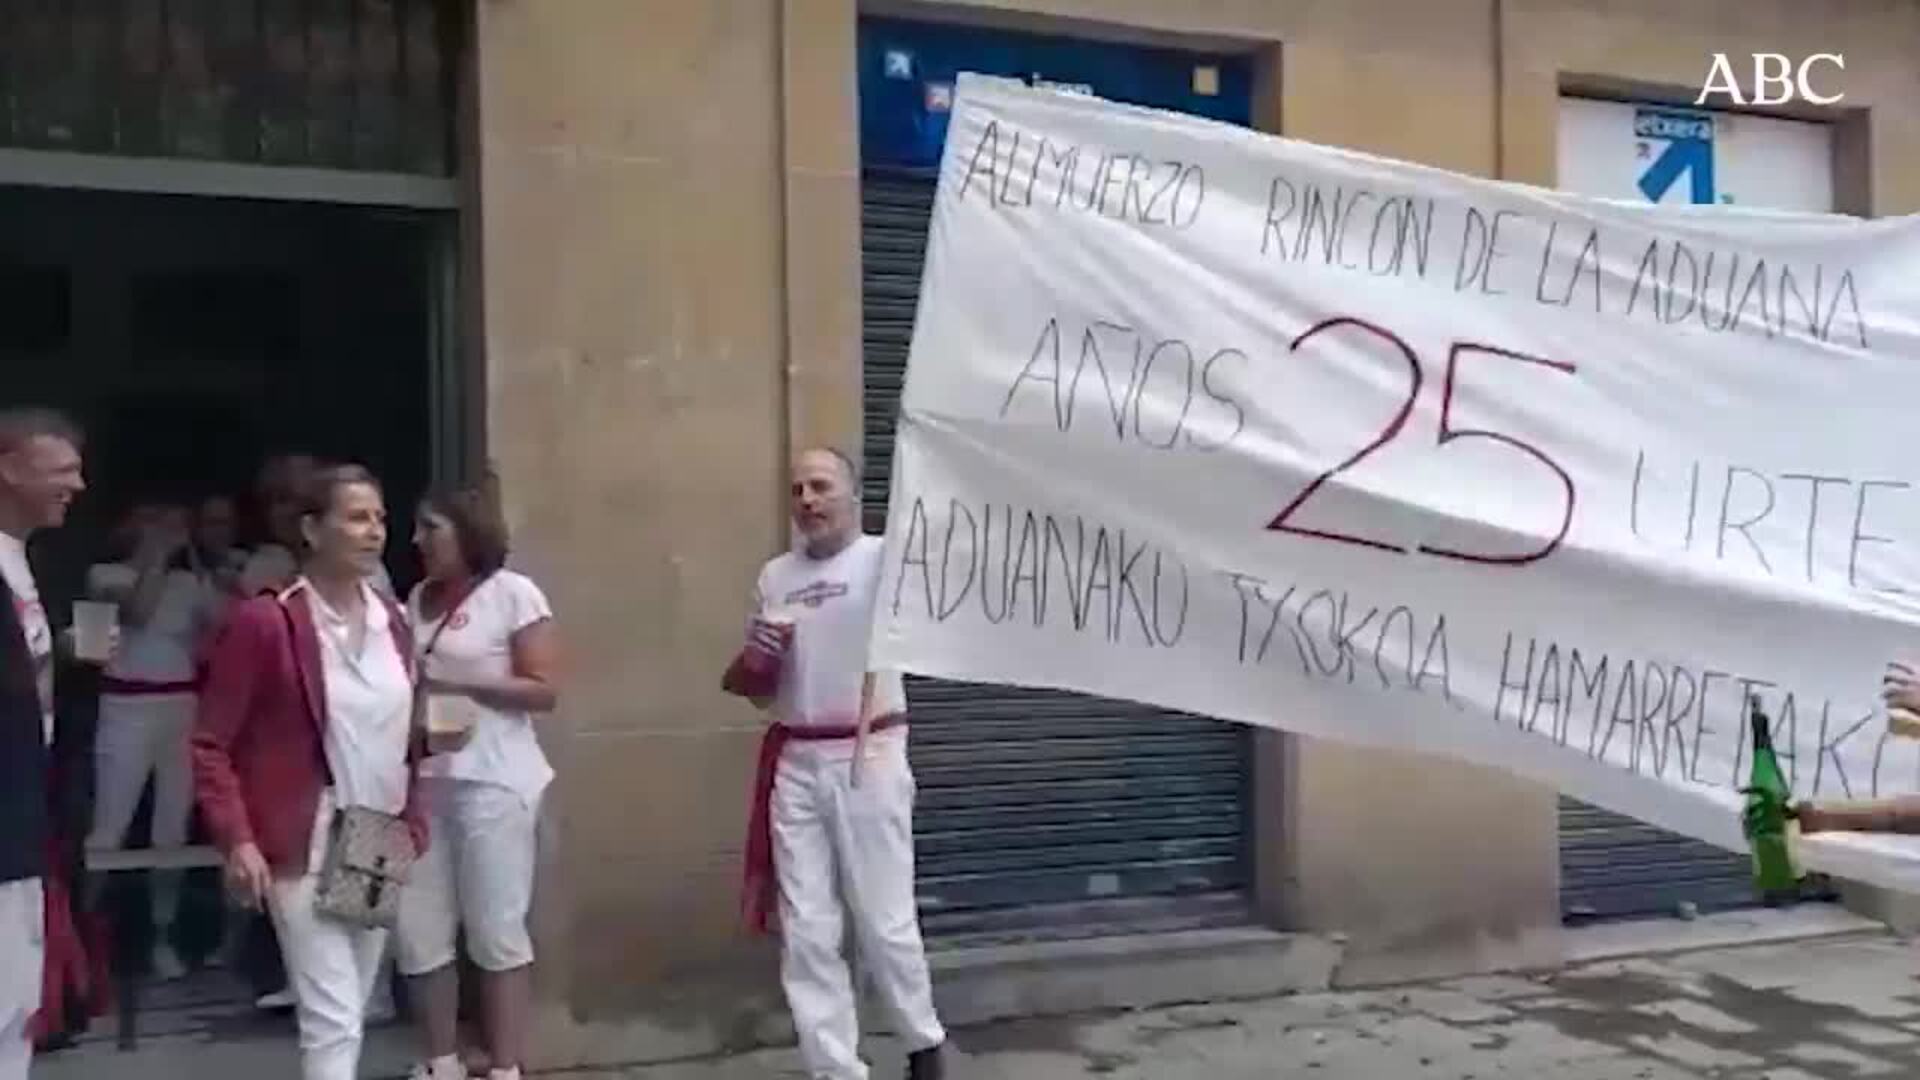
[(1309, 439)]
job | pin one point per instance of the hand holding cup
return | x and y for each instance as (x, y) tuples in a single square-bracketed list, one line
[(769, 637), (448, 713), (771, 634)]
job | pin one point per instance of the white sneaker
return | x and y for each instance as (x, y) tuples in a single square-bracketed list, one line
[(167, 965), (277, 1001)]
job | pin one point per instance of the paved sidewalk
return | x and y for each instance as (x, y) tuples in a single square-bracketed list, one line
[(1839, 1008), (1835, 1008)]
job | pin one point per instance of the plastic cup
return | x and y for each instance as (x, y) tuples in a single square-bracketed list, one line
[(94, 626), (450, 714), (782, 626), (766, 651)]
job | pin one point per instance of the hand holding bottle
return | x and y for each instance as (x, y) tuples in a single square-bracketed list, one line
[(1765, 815)]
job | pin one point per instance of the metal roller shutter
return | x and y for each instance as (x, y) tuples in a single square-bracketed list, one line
[(1033, 804), (1616, 867)]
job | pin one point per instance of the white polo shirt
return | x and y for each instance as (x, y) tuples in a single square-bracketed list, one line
[(33, 620), (831, 604), (478, 643), (369, 705)]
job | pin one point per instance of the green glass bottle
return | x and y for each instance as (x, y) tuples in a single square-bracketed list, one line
[(1764, 818)]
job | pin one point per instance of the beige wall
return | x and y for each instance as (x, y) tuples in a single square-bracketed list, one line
[(632, 230), (670, 252)]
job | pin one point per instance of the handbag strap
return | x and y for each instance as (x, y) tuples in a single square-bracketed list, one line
[(446, 620)]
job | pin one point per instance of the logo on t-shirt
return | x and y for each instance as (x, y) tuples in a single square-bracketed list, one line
[(818, 593), (459, 621)]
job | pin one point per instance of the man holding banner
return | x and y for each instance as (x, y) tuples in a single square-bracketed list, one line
[(831, 827)]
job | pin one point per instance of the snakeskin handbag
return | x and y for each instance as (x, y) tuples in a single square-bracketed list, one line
[(365, 868)]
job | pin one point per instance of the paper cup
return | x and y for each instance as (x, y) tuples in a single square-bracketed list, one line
[(94, 624), (450, 714)]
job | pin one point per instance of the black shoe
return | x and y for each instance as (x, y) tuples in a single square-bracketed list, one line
[(55, 1043), (928, 1064)]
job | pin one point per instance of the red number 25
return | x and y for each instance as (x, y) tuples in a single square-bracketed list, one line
[(1448, 433)]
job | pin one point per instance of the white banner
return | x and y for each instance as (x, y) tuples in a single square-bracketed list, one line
[(1308, 439)]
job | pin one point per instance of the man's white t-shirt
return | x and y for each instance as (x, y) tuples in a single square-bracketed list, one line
[(831, 604), (33, 620), (478, 643), (163, 649)]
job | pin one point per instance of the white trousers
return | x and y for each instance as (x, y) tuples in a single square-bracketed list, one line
[(23, 934), (477, 873), (841, 852), (331, 968), (141, 736)]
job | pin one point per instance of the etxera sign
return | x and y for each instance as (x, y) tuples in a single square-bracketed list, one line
[(1776, 80), (1689, 152)]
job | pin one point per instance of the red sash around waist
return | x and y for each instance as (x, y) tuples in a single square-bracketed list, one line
[(759, 888)]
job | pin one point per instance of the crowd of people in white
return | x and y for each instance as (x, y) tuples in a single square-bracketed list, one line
[(370, 769), (285, 693)]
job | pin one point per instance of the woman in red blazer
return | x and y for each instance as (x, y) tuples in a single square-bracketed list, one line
[(307, 708)]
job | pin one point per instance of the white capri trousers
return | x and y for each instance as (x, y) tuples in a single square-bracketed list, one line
[(331, 967), (477, 874)]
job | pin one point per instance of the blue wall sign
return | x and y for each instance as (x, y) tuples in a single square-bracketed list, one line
[(1688, 152), (907, 72)]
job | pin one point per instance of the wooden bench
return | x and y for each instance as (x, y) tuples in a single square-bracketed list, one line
[(132, 861)]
